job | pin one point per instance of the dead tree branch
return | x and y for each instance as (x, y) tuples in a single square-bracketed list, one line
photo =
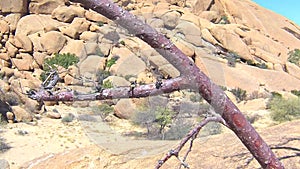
[(190, 136), (167, 86), (191, 77), (198, 80)]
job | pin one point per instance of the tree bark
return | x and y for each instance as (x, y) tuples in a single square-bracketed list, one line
[(197, 80)]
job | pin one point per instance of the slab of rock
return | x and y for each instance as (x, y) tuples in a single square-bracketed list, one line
[(91, 65), (22, 41), (190, 31), (53, 42), (44, 6), (76, 47), (171, 19), (21, 114), (30, 24), (125, 108), (25, 63), (67, 13), (13, 20), (117, 81), (4, 27), (11, 49), (4, 164), (14, 6)]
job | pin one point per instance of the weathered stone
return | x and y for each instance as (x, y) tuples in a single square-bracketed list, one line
[(92, 48), (293, 70), (11, 49), (117, 81), (36, 42), (13, 6), (4, 164), (75, 47), (67, 13), (4, 56), (170, 19), (69, 31), (53, 115), (91, 65), (190, 31), (169, 70), (25, 63), (44, 6), (186, 48), (30, 24), (208, 37), (10, 116), (13, 20), (125, 108), (4, 27), (121, 66), (231, 41), (22, 41), (211, 16), (21, 114), (53, 41), (39, 57), (96, 17), (88, 36)]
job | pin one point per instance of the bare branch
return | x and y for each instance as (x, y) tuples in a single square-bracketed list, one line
[(190, 136), (167, 86)]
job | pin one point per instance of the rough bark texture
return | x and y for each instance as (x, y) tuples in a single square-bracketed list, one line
[(196, 79)]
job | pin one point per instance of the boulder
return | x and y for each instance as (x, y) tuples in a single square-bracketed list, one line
[(39, 57), (53, 114), (191, 33), (11, 49), (171, 19), (4, 164), (69, 31), (88, 36), (125, 108), (67, 13), (169, 70), (91, 65), (4, 26), (117, 81), (95, 17), (53, 42), (25, 63), (13, 19), (293, 70), (13, 6), (30, 24), (92, 48), (23, 42), (44, 6), (76, 47), (21, 114)]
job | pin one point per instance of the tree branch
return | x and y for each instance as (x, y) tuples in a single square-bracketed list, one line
[(198, 80), (167, 86), (190, 136)]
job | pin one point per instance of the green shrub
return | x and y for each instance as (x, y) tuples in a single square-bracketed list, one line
[(111, 62), (284, 109), (196, 97), (68, 118), (212, 128), (3, 146), (103, 110), (224, 20), (239, 93), (178, 130), (65, 60), (107, 84), (155, 121), (101, 75), (294, 56), (296, 92)]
